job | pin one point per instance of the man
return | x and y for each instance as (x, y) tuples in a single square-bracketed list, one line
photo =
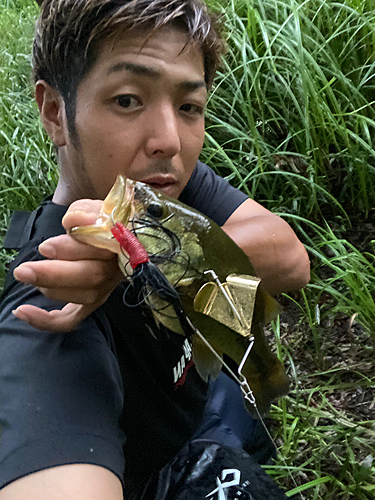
[(121, 87)]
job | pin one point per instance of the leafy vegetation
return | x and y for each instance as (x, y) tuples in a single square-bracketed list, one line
[(291, 122)]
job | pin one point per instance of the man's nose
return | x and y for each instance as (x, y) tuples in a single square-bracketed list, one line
[(163, 138)]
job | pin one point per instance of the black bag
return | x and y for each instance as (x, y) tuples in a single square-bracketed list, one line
[(205, 469)]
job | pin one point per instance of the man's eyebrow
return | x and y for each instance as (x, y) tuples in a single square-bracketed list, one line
[(192, 85), (140, 69), (137, 69)]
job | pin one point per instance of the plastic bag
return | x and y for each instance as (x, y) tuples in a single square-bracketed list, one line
[(205, 469)]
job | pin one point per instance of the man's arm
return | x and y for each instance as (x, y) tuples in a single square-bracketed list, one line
[(68, 482), (278, 257), (86, 276)]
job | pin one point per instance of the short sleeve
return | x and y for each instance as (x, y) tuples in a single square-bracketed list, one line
[(211, 194), (61, 395)]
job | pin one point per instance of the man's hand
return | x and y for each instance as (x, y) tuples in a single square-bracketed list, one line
[(85, 275)]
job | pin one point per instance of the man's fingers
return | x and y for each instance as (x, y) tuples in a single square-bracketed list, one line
[(68, 274), (64, 247), (84, 296), (64, 320), (81, 213)]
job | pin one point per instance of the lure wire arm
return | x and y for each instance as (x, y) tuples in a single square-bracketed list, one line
[(240, 379), (245, 388), (225, 293)]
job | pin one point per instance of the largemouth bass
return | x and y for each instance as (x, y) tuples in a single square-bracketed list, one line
[(214, 278)]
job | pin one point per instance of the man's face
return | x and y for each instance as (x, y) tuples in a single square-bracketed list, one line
[(140, 113)]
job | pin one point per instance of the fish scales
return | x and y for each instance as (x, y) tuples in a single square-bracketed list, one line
[(200, 245)]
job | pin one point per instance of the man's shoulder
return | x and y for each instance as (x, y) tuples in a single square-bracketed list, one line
[(43, 222), (27, 230), (211, 194)]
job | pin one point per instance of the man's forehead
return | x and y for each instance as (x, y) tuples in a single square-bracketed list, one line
[(165, 42)]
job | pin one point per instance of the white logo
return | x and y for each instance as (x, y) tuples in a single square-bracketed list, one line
[(179, 369), (223, 486)]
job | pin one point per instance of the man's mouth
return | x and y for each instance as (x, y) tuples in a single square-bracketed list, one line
[(161, 182)]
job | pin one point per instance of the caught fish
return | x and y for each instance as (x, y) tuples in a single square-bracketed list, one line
[(195, 279)]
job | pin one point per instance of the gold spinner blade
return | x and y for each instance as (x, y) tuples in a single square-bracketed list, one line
[(231, 303)]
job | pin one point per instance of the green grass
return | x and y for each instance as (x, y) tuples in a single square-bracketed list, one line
[(291, 122), (296, 95), (27, 169), (327, 448)]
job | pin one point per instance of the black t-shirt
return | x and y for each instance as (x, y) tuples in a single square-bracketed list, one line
[(116, 392)]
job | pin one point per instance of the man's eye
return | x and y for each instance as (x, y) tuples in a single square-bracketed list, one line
[(127, 101), (192, 109)]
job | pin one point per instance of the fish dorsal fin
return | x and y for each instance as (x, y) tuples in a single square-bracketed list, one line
[(206, 363)]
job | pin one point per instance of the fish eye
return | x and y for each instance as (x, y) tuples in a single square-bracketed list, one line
[(155, 210)]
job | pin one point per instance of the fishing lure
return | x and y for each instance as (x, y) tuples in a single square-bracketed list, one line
[(131, 244), (148, 275)]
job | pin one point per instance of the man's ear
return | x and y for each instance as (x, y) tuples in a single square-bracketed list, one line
[(52, 112)]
